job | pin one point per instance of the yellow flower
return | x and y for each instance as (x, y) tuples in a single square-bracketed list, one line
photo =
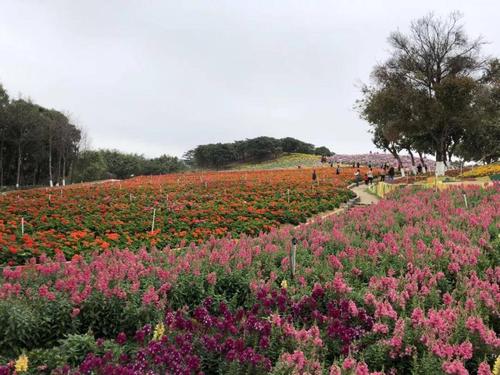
[(159, 331), (483, 170), (496, 366), (284, 284), (22, 363)]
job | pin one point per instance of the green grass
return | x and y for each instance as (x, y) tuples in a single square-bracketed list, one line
[(286, 161)]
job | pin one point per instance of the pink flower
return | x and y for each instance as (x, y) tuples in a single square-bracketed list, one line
[(362, 369), (417, 317), (484, 369), (349, 363), (335, 370), (380, 328), (212, 278), (75, 312), (353, 310), (465, 350), (447, 299), (455, 368), (150, 296), (339, 285)]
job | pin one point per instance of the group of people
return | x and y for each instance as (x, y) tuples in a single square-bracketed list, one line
[(386, 172), (369, 177)]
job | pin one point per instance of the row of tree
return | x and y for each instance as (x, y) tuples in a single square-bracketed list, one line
[(221, 155), (104, 164), (40, 146), (436, 94), (37, 145)]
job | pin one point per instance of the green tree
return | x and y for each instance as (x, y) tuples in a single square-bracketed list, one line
[(4, 102), (90, 166), (425, 96)]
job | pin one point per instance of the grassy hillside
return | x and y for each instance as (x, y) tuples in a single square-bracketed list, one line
[(291, 160)]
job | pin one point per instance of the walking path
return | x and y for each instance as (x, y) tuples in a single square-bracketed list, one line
[(365, 197)]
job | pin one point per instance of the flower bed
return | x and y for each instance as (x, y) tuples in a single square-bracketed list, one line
[(410, 285), (483, 170), (186, 207)]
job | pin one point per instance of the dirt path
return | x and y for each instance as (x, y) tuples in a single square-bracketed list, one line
[(365, 197)]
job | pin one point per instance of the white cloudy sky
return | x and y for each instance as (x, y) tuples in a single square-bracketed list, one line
[(157, 77)]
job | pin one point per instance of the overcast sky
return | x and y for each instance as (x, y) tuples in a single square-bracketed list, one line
[(157, 77)]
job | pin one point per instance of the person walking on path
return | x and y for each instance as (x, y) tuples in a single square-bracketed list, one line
[(357, 177), (370, 176), (338, 169), (382, 175), (314, 176), (391, 173), (366, 179), (357, 164)]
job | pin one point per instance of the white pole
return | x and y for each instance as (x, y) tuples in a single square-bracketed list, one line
[(153, 222), (22, 226), (293, 257), (465, 200)]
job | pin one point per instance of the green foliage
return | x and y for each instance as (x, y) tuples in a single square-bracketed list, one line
[(323, 151), (90, 166), (36, 144), (39, 323), (253, 150), (76, 347), (102, 164), (435, 96)]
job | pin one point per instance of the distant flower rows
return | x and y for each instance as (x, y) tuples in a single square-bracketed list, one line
[(379, 159), (483, 170), (170, 210)]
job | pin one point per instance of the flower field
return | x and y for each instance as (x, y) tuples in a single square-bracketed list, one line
[(377, 159), (292, 160), (483, 170), (185, 207), (407, 286)]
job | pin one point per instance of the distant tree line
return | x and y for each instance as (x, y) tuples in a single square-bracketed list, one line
[(37, 145), (222, 155), (435, 95), (104, 164), (40, 146)]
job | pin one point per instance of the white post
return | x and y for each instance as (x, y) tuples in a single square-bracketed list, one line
[(465, 200), (153, 222), (293, 257), (130, 197), (22, 226)]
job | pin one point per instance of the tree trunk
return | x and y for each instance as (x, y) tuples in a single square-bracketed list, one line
[(35, 170), (394, 153), (18, 178), (59, 170), (64, 172), (51, 178), (439, 153), (1, 163), (422, 162), (411, 157)]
